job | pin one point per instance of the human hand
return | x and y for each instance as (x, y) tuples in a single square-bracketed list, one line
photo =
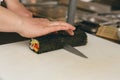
[(34, 27)]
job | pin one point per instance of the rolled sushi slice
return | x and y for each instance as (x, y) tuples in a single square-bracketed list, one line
[(34, 45)]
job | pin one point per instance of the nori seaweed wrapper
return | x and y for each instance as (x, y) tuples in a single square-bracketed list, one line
[(57, 40)]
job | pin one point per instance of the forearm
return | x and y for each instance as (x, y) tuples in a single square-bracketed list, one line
[(18, 8), (8, 21), (11, 1)]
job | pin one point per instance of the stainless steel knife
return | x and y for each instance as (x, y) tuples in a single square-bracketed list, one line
[(73, 50), (70, 19)]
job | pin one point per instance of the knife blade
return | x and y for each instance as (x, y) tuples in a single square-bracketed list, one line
[(73, 50), (70, 20)]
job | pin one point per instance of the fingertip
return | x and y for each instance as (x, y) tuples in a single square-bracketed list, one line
[(28, 14), (74, 28), (70, 32)]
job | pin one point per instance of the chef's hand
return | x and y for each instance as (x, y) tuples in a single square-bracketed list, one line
[(34, 27)]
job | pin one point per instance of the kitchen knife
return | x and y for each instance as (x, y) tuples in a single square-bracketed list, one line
[(70, 20), (73, 50)]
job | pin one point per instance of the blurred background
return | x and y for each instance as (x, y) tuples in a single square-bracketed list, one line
[(57, 9), (103, 12), (114, 3)]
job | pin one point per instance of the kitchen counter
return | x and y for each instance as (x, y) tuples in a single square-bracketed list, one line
[(10, 38), (18, 62)]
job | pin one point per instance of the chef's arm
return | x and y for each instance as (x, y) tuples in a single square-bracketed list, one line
[(17, 7)]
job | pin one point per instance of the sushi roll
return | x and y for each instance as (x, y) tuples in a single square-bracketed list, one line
[(57, 40)]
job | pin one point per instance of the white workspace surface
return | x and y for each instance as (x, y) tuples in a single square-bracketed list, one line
[(17, 62)]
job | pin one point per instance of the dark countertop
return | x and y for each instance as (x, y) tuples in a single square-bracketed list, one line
[(10, 37)]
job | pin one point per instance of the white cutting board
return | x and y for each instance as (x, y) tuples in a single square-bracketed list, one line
[(17, 62)]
